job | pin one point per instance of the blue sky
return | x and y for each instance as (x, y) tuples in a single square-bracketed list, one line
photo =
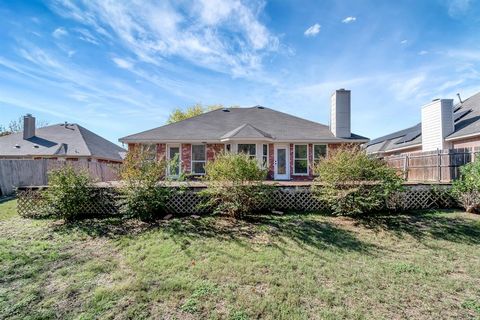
[(119, 67)]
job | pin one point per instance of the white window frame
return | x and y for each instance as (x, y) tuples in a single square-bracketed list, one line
[(295, 159), (196, 161), (253, 156), (179, 146), (266, 164), (319, 144)]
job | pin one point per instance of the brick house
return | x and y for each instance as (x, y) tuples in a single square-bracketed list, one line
[(443, 126), (285, 144)]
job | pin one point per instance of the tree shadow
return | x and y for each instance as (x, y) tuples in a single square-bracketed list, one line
[(304, 230), (425, 224)]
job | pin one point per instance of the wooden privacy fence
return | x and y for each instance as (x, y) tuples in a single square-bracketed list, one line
[(300, 199), (433, 166), (18, 173)]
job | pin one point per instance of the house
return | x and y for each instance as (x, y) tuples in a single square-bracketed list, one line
[(443, 126), (285, 144), (65, 141)]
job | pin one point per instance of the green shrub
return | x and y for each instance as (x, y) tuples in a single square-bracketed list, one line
[(68, 191), (234, 184), (144, 197), (351, 182), (467, 188)]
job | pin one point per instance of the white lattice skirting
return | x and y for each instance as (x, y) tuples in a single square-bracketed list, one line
[(105, 201)]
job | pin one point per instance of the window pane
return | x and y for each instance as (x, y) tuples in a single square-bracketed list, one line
[(198, 167), (319, 150), (174, 163), (198, 152), (247, 149), (265, 150), (301, 151), (149, 151), (281, 161), (300, 166)]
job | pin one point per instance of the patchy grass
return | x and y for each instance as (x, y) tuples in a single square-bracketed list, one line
[(422, 266)]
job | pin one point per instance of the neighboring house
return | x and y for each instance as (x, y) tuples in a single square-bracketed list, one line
[(285, 144), (443, 126), (60, 141)]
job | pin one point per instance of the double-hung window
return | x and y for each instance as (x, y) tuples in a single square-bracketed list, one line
[(300, 164), (149, 151), (248, 149), (199, 158), (319, 152)]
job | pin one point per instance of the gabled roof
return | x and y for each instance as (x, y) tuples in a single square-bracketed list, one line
[(249, 123), (70, 140), (246, 131), (467, 122)]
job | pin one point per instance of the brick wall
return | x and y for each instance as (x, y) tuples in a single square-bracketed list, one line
[(466, 143), (271, 160), (186, 158), (214, 149), (161, 151)]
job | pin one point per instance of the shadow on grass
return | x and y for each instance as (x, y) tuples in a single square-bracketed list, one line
[(304, 230), (425, 224)]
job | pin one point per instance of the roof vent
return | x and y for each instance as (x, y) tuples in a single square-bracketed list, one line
[(17, 146), (435, 99), (260, 107), (36, 146), (225, 110)]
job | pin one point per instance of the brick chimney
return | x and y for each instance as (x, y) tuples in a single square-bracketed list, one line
[(340, 113), (437, 123), (28, 126)]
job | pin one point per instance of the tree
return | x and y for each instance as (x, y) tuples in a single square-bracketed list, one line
[(467, 188), (352, 182), (17, 126), (195, 110), (234, 184)]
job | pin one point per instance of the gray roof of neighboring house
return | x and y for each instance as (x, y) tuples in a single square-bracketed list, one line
[(467, 122), (257, 123), (71, 140)]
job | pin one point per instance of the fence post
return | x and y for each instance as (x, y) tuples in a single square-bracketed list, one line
[(405, 167), (439, 165)]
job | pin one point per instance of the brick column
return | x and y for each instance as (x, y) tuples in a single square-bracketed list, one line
[(310, 161), (271, 160), (213, 149), (186, 158), (161, 151), (291, 160)]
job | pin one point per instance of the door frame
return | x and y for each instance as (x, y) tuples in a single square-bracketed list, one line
[(179, 146), (285, 176)]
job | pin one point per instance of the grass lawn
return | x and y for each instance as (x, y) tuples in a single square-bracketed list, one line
[(420, 266)]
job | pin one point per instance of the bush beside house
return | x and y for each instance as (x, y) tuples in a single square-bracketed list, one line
[(351, 182), (467, 188)]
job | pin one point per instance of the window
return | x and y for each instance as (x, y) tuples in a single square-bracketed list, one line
[(301, 159), (149, 151), (319, 151), (174, 160), (265, 156), (198, 159), (248, 149), (228, 147)]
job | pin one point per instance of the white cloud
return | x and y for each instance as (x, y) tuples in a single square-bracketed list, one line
[(59, 32), (312, 31), (458, 7), (349, 19), (404, 41), (422, 52), (122, 63), (224, 36)]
